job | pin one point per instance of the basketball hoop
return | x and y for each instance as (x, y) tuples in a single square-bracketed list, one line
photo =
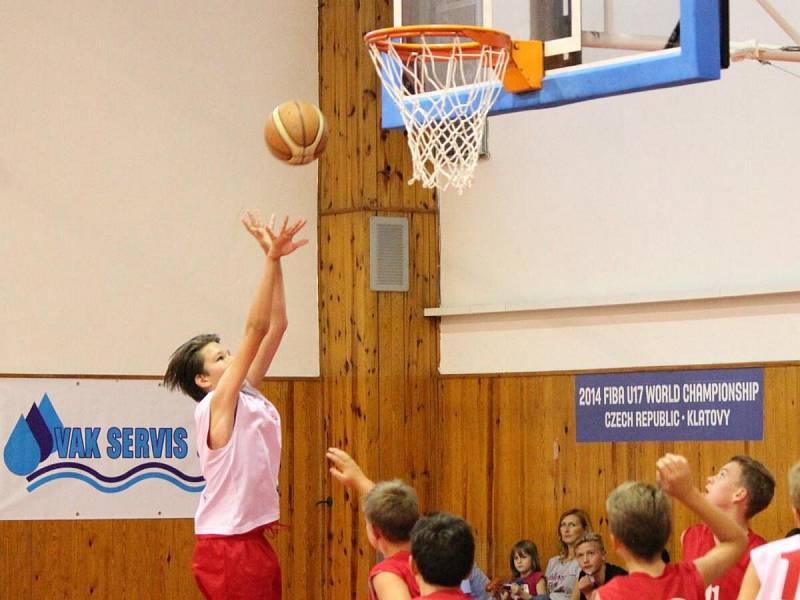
[(444, 79)]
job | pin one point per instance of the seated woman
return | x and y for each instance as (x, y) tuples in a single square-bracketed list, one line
[(562, 570)]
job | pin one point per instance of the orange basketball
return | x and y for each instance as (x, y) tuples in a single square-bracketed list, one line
[(296, 132)]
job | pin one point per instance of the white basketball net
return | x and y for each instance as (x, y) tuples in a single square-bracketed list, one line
[(444, 102)]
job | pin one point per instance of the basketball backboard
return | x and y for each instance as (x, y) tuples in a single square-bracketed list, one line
[(558, 22), (593, 48)]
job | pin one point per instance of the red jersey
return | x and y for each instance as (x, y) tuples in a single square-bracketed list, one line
[(531, 581), (454, 594), (679, 580), (397, 564), (698, 540)]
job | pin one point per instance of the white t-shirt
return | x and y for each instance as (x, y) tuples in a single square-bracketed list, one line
[(777, 565), (561, 577), (241, 490)]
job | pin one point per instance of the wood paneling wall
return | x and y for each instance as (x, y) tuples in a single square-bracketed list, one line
[(511, 465), (499, 450), (379, 354), (136, 559)]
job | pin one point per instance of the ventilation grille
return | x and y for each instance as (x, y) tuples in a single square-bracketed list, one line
[(388, 254)]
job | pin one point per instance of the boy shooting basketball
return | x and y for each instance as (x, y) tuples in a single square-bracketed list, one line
[(742, 488), (640, 520), (239, 436)]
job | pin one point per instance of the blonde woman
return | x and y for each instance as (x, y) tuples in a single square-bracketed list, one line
[(562, 570)]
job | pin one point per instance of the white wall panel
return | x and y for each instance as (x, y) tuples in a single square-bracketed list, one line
[(679, 193), (132, 141)]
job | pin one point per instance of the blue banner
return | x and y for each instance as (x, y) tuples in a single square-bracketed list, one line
[(712, 404)]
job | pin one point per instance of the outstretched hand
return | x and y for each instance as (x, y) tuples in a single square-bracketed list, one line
[(347, 471), (674, 475), (275, 245)]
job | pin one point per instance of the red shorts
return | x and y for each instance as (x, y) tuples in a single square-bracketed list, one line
[(234, 567)]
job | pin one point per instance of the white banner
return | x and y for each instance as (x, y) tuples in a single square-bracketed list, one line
[(96, 449)]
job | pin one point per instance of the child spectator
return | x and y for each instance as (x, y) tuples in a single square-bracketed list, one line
[(527, 579), (562, 570), (774, 569), (442, 555), (742, 489), (390, 509), (595, 571), (640, 519)]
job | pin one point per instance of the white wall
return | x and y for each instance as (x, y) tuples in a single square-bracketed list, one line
[(131, 143), (683, 193)]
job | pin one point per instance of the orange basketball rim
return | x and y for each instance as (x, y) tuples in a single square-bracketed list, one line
[(525, 68)]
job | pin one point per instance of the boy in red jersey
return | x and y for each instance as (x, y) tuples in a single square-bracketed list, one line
[(390, 509), (442, 555), (742, 489), (640, 520)]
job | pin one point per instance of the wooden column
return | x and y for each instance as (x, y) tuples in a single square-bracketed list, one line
[(379, 354)]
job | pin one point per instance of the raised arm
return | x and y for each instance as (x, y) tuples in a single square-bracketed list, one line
[(674, 475), (226, 392), (277, 318), (347, 471)]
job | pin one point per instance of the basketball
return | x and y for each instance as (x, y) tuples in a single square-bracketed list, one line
[(296, 132)]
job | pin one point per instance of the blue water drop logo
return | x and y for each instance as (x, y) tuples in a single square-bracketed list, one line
[(51, 419), (32, 439), (40, 432), (22, 453)]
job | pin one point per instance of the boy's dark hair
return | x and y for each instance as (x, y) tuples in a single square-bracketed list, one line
[(391, 506), (443, 548), (528, 548), (759, 482), (640, 516), (186, 363)]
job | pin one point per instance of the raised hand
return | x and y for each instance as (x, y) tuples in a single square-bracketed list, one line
[(347, 471), (674, 475), (275, 245)]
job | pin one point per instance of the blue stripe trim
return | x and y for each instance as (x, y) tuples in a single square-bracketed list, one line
[(113, 490)]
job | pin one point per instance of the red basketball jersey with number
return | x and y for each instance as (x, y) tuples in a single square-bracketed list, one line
[(398, 565), (778, 568), (698, 540), (679, 580)]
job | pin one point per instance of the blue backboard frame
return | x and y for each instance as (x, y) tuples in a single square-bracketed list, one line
[(696, 60)]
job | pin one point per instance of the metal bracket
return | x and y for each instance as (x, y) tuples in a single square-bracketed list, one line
[(525, 66)]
